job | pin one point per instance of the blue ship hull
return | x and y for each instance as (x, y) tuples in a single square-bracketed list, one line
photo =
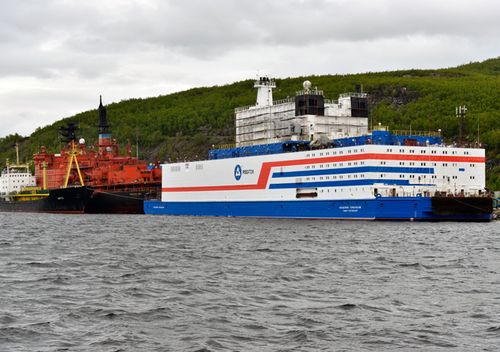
[(382, 208)]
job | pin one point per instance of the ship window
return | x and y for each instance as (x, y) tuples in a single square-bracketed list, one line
[(320, 154)]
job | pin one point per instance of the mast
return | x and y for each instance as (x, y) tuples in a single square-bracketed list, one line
[(104, 128), (17, 153), (73, 154)]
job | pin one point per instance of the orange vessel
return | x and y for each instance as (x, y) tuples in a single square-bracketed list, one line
[(119, 183)]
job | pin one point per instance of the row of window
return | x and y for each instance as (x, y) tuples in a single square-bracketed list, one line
[(340, 177), (401, 163), (389, 150), (411, 176), (424, 151), (17, 175), (321, 166), (13, 181), (341, 189), (312, 155)]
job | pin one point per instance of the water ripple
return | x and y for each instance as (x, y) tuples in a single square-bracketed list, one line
[(122, 283)]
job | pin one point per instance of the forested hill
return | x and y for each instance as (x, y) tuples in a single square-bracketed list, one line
[(185, 125)]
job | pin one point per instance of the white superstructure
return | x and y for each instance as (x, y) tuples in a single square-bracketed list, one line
[(14, 178), (308, 116)]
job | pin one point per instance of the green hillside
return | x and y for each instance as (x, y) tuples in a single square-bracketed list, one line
[(184, 125)]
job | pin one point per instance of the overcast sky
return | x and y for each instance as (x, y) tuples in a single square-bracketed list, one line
[(57, 56)]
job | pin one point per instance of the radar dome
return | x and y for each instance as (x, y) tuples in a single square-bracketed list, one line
[(81, 141), (306, 85)]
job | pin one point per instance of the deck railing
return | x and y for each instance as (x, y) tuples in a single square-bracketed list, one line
[(416, 133)]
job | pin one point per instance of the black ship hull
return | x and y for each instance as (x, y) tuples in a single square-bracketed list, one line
[(119, 201), (70, 200), (463, 208)]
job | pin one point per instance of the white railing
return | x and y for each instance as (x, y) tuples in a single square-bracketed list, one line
[(353, 94), (275, 103), (312, 92)]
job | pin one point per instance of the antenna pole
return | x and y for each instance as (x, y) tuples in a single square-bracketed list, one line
[(478, 130), (137, 146), (461, 112), (17, 153)]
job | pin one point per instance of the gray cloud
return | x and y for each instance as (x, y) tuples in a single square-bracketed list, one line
[(131, 48)]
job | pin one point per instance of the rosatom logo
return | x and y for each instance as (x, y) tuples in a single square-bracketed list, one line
[(237, 172)]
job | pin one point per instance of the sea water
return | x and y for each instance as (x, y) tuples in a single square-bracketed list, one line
[(145, 283)]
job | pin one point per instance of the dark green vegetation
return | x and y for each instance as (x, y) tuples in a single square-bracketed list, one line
[(185, 125)]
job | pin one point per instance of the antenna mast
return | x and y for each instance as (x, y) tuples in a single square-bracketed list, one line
[(17, 153), (460, 113)]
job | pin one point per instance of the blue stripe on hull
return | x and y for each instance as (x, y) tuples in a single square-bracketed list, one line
[(358, 182), (354, 170), (384, 208)]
